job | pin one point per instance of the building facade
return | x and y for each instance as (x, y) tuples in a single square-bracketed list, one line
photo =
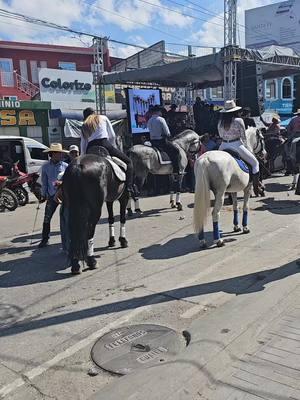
[(20, 64)]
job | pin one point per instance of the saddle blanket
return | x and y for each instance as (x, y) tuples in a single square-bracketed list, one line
[(119, 172), (163, 157), (241, 163)]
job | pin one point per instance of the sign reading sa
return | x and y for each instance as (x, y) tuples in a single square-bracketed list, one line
[(13, 118)]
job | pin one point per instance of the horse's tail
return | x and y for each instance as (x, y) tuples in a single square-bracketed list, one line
[(202, 195), (83, 204)]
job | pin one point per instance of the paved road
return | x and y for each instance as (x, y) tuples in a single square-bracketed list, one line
[(49, 319)]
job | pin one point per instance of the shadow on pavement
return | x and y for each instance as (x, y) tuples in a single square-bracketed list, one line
[(42, 265), (277, 187), (238, 285), (281, 207)]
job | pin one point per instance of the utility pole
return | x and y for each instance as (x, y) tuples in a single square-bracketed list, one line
[(98, 70), (230, 51)]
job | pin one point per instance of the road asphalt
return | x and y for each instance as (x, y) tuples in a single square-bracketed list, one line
[(240, 305)]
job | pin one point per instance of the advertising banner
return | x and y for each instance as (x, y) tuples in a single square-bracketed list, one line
[(275, 24)]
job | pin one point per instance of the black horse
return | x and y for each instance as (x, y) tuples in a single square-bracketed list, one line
[(88, 182)]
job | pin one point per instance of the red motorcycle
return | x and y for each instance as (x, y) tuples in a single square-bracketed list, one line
[(16, 181)]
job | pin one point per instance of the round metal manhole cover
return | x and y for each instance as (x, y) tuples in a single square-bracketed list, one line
[(130, 348)]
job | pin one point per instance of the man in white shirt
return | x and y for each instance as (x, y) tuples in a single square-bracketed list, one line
[(159, 134)]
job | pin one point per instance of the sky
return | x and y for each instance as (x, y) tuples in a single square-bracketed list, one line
[(141, 22)]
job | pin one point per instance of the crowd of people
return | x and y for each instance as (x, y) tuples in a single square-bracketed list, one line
[(223, 129)]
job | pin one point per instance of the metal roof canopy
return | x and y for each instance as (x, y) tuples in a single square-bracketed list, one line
[(207, 71)]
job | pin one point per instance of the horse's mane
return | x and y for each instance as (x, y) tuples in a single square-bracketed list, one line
[(183, 134)]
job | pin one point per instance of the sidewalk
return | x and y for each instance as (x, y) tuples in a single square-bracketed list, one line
[(247, 349)]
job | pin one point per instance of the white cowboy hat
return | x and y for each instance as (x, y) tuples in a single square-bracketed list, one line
[(230, 106), (297, 112), (276, 117), (55, 148), (73, 147)]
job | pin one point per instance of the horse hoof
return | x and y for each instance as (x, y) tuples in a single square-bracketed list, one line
[(123, 242), (203, 244), (75, 268), (138, 211), (172, 204), (91, 262), (129, 212), (246, 230), (236, 228), (179, 206), (112, 242), (220, 243)]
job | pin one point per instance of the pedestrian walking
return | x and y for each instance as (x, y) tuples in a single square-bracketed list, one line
[(52, 172)]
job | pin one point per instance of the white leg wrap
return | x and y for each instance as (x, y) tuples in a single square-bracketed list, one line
[(122, 231), (90, 251), (137, 204), (178, 197), (171, 196), (111, 230), (129, 203)]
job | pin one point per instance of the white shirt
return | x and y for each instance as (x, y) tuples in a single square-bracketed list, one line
[(158, 128), (104, 130), (236, 131)]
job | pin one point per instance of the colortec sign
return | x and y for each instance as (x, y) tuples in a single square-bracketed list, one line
[(64, 85), (277, 24)]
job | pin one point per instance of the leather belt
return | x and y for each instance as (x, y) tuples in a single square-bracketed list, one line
[(230, 141)]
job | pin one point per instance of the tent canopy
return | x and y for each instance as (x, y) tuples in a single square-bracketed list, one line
[(207, 71)]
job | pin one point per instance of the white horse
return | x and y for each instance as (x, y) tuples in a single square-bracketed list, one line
[(219, 172)]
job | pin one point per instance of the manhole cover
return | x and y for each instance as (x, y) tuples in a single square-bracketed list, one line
[(134, 347)]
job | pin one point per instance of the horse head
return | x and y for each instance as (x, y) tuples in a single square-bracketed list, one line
[(188, 140), (256, 142)]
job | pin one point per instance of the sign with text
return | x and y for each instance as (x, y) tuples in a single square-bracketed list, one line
[(274, 24), (17, 117)]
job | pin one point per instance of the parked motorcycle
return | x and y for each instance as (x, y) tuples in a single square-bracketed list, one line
[(8, 199), (16, 182)]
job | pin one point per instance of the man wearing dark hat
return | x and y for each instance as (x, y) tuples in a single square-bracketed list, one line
[(159, 135), (52, 173)]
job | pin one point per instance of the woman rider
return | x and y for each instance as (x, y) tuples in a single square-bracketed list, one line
[(97, 130), (233, 134)]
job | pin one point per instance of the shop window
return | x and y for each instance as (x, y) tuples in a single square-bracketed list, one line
[(6, 72), (286, 88), (71, 66), (271, 89), (217, 92)]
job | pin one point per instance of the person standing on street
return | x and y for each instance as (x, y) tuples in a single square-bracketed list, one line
[(52, 172)]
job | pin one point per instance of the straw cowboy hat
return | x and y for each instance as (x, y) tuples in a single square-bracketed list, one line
[(55, 148), (276, 117), (230, 106), (297, 112)]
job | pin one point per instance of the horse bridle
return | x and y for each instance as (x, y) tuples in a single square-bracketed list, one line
[(260, 142)]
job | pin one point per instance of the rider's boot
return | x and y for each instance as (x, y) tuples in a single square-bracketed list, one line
[(256, 185)]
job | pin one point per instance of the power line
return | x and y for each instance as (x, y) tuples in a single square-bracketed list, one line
[(48, 24), (178, 12), (131, 20)]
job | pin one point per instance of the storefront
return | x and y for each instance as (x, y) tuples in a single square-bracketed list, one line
[(25, 118)]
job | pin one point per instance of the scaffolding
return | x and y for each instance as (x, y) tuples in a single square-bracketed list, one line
[(98, 70)]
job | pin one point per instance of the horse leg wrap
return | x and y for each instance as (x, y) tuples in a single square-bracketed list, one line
[(245, 218), (111, 241), (172, 197), (90, 251), (122, 231), (217, 235), (235, 218), (137, 204)]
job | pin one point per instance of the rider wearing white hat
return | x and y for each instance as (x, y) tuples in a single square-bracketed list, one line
[(233, 134), (52, 172)]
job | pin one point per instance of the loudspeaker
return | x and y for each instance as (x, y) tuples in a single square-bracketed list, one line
[(296, 101), (250, 87)]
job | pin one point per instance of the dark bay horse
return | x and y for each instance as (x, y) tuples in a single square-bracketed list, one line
[(88, 182)]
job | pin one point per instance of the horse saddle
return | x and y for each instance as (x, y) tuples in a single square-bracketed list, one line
[(244, 166), (162, 156), (118, 166)]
